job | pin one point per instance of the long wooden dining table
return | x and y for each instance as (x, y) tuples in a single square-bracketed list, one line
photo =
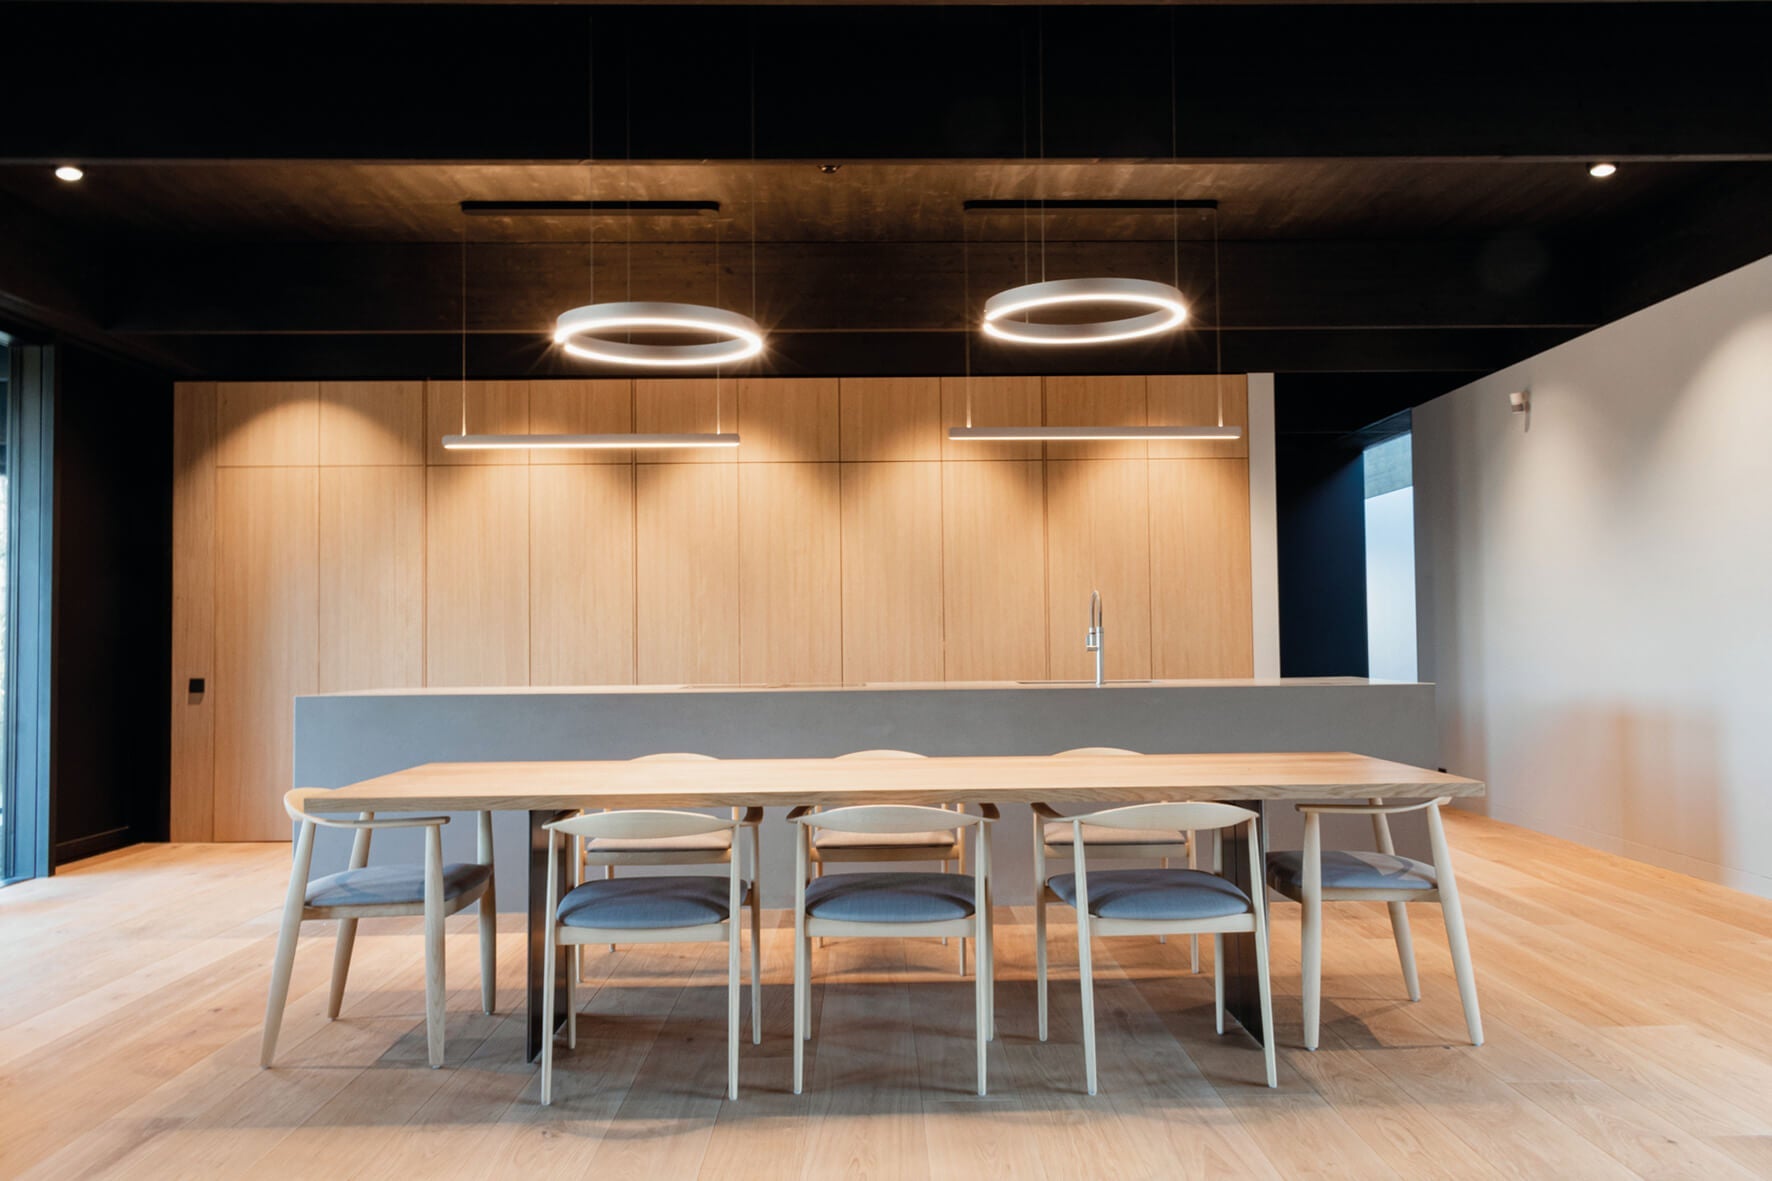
[(547, 789)]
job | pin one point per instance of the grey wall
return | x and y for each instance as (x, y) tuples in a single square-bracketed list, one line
[(1596, 582), (346, 738)]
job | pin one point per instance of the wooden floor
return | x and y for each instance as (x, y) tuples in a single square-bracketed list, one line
[(1629, 1015)]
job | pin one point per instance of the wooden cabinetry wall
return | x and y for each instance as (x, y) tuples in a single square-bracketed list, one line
[(324, 541)]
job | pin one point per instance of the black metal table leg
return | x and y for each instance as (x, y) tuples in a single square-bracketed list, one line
[(538, 933), (1242, 990)]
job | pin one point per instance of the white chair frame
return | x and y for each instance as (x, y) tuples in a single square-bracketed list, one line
[(954, 853), (648, 824), (892, 818), (1189, 817), (1160, 851), (1312, 894), (748, 818), (434, 908)]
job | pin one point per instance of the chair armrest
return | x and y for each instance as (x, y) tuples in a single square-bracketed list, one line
[(1047, 812), (1372, 809), (375, 822)]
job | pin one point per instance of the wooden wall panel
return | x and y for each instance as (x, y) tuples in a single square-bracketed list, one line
[(267, 423), (1095, 401), (995, 401), (787, 419), (372, 578), (892, 601), (1098, 538), (686, 534), (581, 574), (266, 640), (1202, 622), (1192, 399), (994, 571), (477, 576), (686, 405), (790, 584), (493, 408), (372, 422), (193, 611), (890, 418), (597, 406)]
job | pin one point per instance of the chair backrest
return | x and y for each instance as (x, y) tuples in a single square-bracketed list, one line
[(294, 804), (888, 818), (675, 756), (1084, 752), (1196, 815), (883, 753), (640, 822)]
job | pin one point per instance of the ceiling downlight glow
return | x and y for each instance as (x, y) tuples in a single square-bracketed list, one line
[(1162, 304), (69, 172), (1601, 170), (583, 333)]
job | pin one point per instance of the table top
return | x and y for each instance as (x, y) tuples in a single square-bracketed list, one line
[(998, 779)]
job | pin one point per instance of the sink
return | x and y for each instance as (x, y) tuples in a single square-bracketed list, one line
[(1110, 681)]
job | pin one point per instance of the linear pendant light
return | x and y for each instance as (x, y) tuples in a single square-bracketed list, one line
[(585, 442), (1071, 434)]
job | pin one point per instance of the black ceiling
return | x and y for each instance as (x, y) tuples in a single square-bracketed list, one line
[(274, 189)]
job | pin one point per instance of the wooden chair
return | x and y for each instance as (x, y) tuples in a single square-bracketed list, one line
[(687, 908), (831, 847), (890, 904), (704, 848), (360, 891), (1052, 839), (1312, 876), (1157, 901)]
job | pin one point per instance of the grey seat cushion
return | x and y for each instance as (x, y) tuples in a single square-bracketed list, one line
[(687, 900), (890, 897), (391, 885), (830, 838), (717, 841), (1353, 869), (1161, 894), (1059, 832)]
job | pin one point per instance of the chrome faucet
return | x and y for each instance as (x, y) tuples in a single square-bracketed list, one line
[(1092, 639)]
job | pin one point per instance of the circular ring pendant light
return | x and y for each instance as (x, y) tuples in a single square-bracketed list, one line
[(1157, 307), (582, 332)]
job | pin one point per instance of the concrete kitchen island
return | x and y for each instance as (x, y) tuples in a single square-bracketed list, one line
[(342, 738)]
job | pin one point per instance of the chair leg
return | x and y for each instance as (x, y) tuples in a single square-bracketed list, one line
[(801, 1032), (962, 943), (277, 997), (547, 1020), (756, 971), (1193, 940), (1311, 965), (980, 1007), (1218, 982), (1086, 978), (435, 982), (341, 966), (1405, 947), (1040, 955), (732, 956), (1455, 933), (1267, 1006), (489, 950), (571, 1012), (806, 991), (609, 875), (1165, 864)]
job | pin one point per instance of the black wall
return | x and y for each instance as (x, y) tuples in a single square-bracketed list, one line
[(113, 605)]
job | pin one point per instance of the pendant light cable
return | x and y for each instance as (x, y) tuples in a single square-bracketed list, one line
[(1217, 320), (464, 324)]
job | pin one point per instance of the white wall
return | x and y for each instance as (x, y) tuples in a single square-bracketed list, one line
[(1596, 590)]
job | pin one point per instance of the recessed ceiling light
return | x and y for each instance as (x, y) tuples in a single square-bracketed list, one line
[(68, 172), (1602, 170)]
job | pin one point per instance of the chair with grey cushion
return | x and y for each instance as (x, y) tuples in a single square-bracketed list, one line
[(1313, 875), (1052, 840), (362, 891), (831, 847), (890, 904), (1156, 900), (697, 848), (682, 908)]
